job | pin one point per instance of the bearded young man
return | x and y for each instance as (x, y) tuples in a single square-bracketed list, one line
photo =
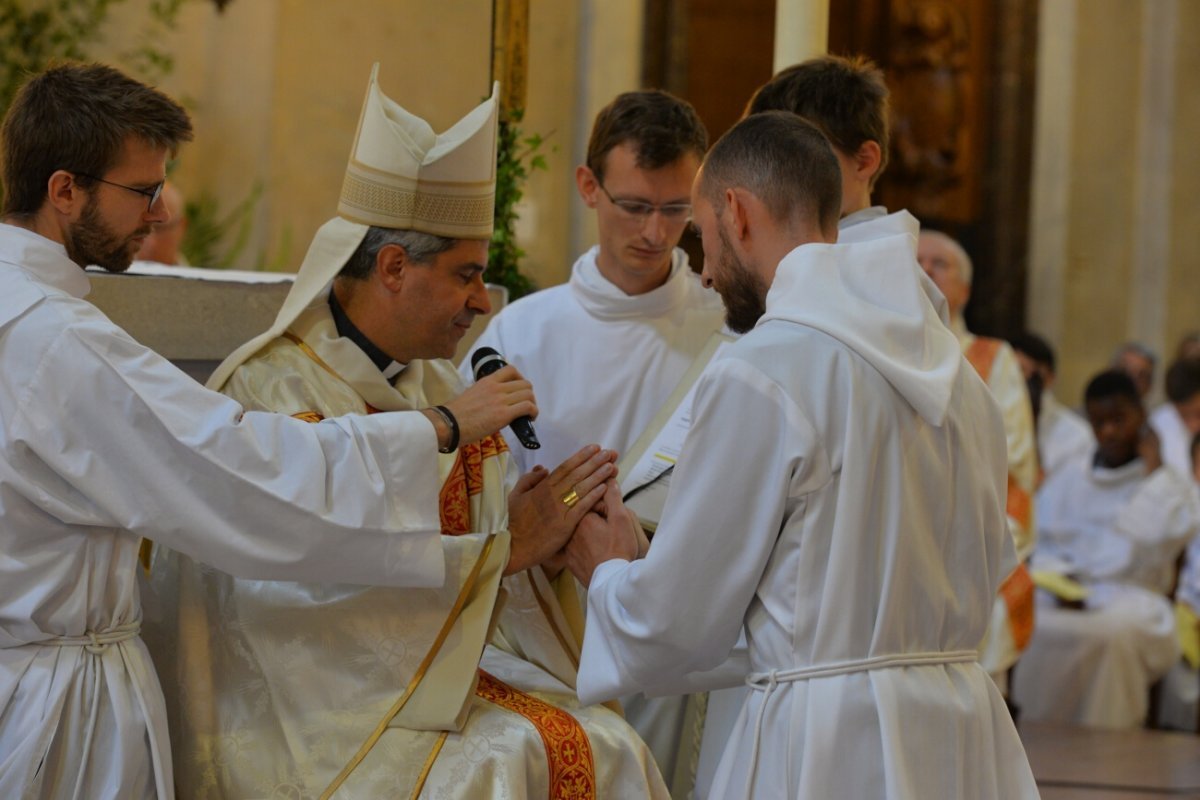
[(462, 691), (103, 442), (861, 593)]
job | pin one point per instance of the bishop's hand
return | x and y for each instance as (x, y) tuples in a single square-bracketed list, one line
[(545, 507), (489, 404), (599, 538)]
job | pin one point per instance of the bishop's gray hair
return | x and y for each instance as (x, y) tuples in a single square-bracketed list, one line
[(420, 247)]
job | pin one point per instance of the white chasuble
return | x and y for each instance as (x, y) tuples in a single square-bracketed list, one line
[(809, 510), (462, 691)]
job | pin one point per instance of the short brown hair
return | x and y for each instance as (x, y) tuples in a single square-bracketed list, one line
[(783, 160), (662, 128), (77, 117), (846, 97)]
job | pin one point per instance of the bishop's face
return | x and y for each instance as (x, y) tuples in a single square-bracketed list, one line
[(741, 289), (116, 219), (439, 301)]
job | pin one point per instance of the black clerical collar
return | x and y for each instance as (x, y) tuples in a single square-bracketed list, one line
[(348, 329)]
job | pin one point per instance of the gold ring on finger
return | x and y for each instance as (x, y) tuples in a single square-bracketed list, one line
[(570, 498)]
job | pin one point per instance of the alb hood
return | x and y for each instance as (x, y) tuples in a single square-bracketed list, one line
[(869, 296)]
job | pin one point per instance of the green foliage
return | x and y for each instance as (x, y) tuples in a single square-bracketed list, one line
[(208, 229), (34, 33), (516, 157)]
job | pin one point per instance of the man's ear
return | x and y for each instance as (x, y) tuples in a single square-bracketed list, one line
[(392, 265), (64, 194), (867, 160), (586, 183), (737, 213)]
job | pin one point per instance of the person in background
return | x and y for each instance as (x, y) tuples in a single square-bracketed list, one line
[(948, 265), (1139, 362), (1062, 435), (162, 244), (1115, 521), (1177, 421)]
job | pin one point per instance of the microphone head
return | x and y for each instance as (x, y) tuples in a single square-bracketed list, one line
[(485, 361)]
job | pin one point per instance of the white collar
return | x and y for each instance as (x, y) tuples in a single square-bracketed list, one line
[(44, 258), (601, 298)]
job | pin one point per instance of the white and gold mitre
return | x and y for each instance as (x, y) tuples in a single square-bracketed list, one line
[(403, 175)]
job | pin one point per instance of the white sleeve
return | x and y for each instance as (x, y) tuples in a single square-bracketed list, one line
[(113, 435), (743, 468), (1161, 517)]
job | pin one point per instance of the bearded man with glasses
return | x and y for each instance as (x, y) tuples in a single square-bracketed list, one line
[(605, 350)]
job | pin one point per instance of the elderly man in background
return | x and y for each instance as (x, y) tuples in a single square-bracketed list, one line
[(462, 691), (1138, 362), (162, 244), (948, 265)]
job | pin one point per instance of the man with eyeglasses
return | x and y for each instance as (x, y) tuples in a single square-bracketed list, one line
[(605, 350), (103, 442)]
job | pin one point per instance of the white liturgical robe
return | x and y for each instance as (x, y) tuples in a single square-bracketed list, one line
[(277, 686), (840, 500), (104, 442), (602, 362), (1175, 440), (1119, 532), (1063, 436)]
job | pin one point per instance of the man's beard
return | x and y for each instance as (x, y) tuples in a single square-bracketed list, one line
[(743, 292), (90, 241)]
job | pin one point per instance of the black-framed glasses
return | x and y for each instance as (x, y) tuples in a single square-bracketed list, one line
[(636, 209), (152, 194)]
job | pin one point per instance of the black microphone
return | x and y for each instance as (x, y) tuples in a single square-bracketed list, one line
[(484, 363)]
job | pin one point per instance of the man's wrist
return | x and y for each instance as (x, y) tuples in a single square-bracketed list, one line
[(441, 428)]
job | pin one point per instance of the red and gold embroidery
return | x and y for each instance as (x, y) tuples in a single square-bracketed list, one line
[(466, 481), (568, 751)]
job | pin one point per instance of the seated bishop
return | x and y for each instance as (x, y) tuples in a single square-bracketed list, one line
[(1116, 522), (463, 691)]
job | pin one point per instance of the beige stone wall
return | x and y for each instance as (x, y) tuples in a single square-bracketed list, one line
[(1116, 199), (275, 88)]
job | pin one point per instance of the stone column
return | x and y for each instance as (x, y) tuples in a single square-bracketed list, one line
[(801, 30)]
